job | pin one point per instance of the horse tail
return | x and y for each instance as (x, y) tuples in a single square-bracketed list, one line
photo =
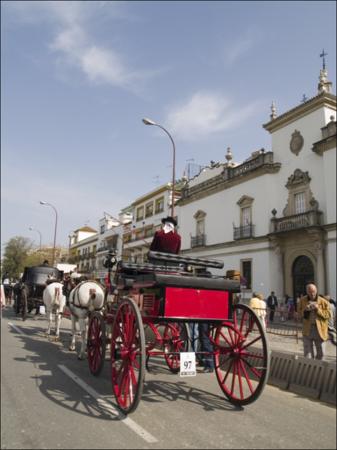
[(56, 300)]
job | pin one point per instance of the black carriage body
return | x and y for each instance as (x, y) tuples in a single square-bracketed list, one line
[(35, 279)]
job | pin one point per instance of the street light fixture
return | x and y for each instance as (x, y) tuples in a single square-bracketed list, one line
[(34, 229), (147, 121), (48, 204)]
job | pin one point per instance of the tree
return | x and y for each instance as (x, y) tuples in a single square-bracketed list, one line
[(15, 256)]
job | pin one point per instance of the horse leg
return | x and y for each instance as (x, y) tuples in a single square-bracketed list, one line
[(73, 331), (50, 318), (82, 323), (57, 325)]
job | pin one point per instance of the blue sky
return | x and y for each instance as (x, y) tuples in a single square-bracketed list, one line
[(78, 77)]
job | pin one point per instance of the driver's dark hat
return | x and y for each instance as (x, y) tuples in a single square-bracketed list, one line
[(169, 219)]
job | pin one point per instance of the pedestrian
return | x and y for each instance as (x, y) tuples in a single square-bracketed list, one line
[(259, 306), (194, 335), (206, 346), (290, 307), (7, 288), (272, 305), (314, 311)]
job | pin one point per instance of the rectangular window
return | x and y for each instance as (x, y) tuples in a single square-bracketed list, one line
[(200, 227), (246, 274), (159, 205), (140, 213), (245, 216), (102, 229), (299, 203), (149, 209), (139, 234), (149, 231)]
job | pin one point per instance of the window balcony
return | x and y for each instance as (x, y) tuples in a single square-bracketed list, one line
[(244, 232), (198, 241), (297, 221)]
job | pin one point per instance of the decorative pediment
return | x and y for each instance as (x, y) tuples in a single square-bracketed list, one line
[(245, 201), (199, 214), (298, 178)]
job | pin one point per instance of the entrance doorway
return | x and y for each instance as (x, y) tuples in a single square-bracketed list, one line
[(303, 273)]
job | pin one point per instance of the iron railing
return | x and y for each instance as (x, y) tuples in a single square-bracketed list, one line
[(244, 232), (198, 241)]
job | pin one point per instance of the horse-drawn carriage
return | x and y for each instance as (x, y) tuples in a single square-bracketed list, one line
[(29, 292), (148, 315)]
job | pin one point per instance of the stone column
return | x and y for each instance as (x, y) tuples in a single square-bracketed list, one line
[(320, 277), (278, 276)]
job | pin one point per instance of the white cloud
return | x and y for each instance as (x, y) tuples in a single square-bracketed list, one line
[(240, 46), (206, 113), (237, 49), (70, 23)]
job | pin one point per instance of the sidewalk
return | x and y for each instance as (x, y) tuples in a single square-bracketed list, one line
[(288, 343)]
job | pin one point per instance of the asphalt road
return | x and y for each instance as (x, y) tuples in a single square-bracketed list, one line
[(49, 400)]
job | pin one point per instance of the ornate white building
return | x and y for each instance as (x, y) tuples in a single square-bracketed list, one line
[(273, 217)]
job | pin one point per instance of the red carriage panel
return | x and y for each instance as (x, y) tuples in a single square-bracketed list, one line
[(196, 303)]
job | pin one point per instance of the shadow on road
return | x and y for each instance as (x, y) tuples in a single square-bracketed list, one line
[(45, 355)]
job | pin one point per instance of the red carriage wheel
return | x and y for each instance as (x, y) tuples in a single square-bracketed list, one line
[(176, 340), (241, 356), (96, 343), (127, 356)]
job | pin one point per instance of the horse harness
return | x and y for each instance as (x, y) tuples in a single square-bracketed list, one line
[(92, 292)]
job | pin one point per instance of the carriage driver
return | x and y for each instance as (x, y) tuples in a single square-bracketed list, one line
[(166, 240)]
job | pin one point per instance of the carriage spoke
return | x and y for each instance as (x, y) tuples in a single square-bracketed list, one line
[(239, 378), (246, 377), (251, 342)]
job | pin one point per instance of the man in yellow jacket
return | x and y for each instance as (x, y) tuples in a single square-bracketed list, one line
[(315, 312)]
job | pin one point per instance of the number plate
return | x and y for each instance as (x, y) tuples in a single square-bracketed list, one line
[(187, 364)]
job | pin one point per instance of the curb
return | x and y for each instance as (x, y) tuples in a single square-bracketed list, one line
[(309, 377)]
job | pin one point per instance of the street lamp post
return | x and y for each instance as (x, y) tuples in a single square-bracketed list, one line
[(34, 229), (151, 122), (54, 247)]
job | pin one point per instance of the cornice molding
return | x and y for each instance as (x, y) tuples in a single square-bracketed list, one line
[(218, 184), (324, 145), (324, 99)]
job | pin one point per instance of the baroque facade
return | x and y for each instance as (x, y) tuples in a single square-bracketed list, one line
[(273, 217)]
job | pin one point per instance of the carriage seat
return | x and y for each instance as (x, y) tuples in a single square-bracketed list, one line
[(217, 284)]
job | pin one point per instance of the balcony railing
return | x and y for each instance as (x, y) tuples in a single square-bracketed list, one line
[(198, 241), (244, 232), (103, 249), (263, 160), (296, 221)]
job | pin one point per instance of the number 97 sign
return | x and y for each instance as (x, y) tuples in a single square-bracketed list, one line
[(187, 364)]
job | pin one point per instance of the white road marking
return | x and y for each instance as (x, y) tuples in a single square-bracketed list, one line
[(109, 407), (105, 404), (16, 328)]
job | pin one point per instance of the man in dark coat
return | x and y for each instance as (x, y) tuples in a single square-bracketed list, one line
[(272, 305), (167, 240)]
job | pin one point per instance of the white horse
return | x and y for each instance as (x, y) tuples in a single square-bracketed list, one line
[(86, 297), (54, 301)]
